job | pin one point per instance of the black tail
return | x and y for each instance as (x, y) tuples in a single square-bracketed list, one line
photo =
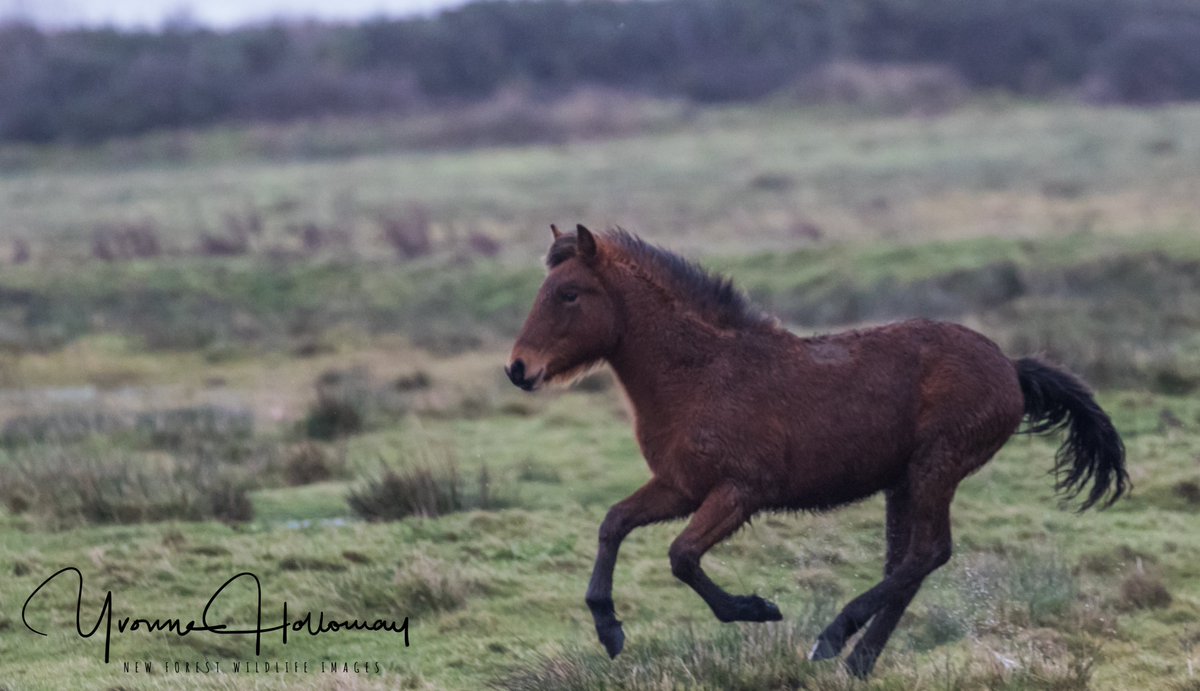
[(1093, 450)]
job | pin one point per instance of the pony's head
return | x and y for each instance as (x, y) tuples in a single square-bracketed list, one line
[(574, 322)]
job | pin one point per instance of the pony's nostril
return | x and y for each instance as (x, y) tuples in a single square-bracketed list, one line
[(516, 372)]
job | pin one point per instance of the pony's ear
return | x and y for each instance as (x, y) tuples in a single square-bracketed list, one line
[(585, 243), (555, 231)]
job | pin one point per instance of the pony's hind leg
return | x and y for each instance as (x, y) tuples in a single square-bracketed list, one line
[(654, 502), (934, 535), (928, 548), (899, 526), (899, 534), (723, 511)]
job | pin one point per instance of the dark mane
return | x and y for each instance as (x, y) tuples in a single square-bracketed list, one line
[(714, 297)]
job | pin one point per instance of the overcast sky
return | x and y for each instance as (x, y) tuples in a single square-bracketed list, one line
[(218, 13)]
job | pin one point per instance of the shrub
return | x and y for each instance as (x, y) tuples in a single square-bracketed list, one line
[(241, 228), (994, 592), (340, 408), (407, 231), (418, 491), (348, 401), (331, 418), (317, 238), (61, 426), (1188, 490), (308, 462), (1144, 589), (414, 381), (65, 487), (190, 427), (421, 490), (123, 241), (228, 500), (216, 245), (1044, 584)]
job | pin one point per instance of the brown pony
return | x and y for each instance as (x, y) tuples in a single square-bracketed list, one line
[(736, 415)]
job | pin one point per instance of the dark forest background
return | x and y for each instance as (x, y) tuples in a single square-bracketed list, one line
[(89, 84)]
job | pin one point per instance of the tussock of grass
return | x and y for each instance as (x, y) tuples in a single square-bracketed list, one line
[(177, 428), (1110, 561), (420, 586), (349, 401), (421, 490), (396, 494), (1144, 589), (63, 487), (1189, 491), (743, 657), (332, 417), (309, 462), (989, 592), (937, 625), (61, 426), (1043, 583), (772, 656)]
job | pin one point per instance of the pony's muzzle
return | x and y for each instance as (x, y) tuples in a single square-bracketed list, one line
[(517, 375)]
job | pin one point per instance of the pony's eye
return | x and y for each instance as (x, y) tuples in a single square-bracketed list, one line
[(568, 296)]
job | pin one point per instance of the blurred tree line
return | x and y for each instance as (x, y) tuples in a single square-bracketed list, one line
[(88, 84)]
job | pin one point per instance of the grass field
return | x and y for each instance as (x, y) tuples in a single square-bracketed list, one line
[(175, 411)]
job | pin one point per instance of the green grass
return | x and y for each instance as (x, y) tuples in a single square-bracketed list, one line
[(1016, 170), (1130, 302), (518, 573), (1049, 227)]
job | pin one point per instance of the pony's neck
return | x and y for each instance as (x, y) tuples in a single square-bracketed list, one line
[(661, 354)]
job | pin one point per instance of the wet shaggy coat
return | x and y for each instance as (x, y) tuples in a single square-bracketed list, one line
[(736, 415)]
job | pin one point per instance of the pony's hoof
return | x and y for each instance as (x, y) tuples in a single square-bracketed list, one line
[(764, 610), (822, 650), (752, 608), (612, 637)]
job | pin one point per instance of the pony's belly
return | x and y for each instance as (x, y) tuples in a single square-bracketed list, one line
[(832, 480)]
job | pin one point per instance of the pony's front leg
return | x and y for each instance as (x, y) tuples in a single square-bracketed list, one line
[(654, 502), (721, 513)]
